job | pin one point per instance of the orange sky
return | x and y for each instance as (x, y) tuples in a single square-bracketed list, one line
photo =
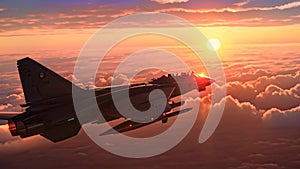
[(57, 25), (73, 39)]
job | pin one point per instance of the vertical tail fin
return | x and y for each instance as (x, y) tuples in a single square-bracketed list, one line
[(39, 82)]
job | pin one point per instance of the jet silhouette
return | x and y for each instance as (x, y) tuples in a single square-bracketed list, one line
[(49, 108)]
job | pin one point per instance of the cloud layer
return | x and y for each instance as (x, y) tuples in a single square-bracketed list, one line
[(259, 128)]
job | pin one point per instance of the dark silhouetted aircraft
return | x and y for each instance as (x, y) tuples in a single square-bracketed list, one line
[(49, 109)]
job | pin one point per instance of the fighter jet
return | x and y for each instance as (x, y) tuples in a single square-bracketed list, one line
[(49, 109)]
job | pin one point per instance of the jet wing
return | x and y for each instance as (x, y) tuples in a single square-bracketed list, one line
[(105, 94), (8, 115), (139, 97)]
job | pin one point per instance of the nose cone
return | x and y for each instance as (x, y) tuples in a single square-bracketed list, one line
[(202, 82)]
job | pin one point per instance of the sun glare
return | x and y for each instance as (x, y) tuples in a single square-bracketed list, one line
[(200, 75), (213, 44)]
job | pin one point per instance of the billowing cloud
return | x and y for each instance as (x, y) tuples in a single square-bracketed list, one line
[(242, 91), (275, 97), (119, 79), (236, 113), (267, 92), (11, 102), (283, 81), (296, 89), (282, 119), (239, 114), (249, 76)]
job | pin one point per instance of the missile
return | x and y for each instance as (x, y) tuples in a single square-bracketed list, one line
[(131, 125)]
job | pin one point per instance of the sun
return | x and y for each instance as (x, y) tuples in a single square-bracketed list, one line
[(213, 44)]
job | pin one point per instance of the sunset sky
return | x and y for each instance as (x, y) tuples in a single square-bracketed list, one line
[(260, 52), (33, 24)]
